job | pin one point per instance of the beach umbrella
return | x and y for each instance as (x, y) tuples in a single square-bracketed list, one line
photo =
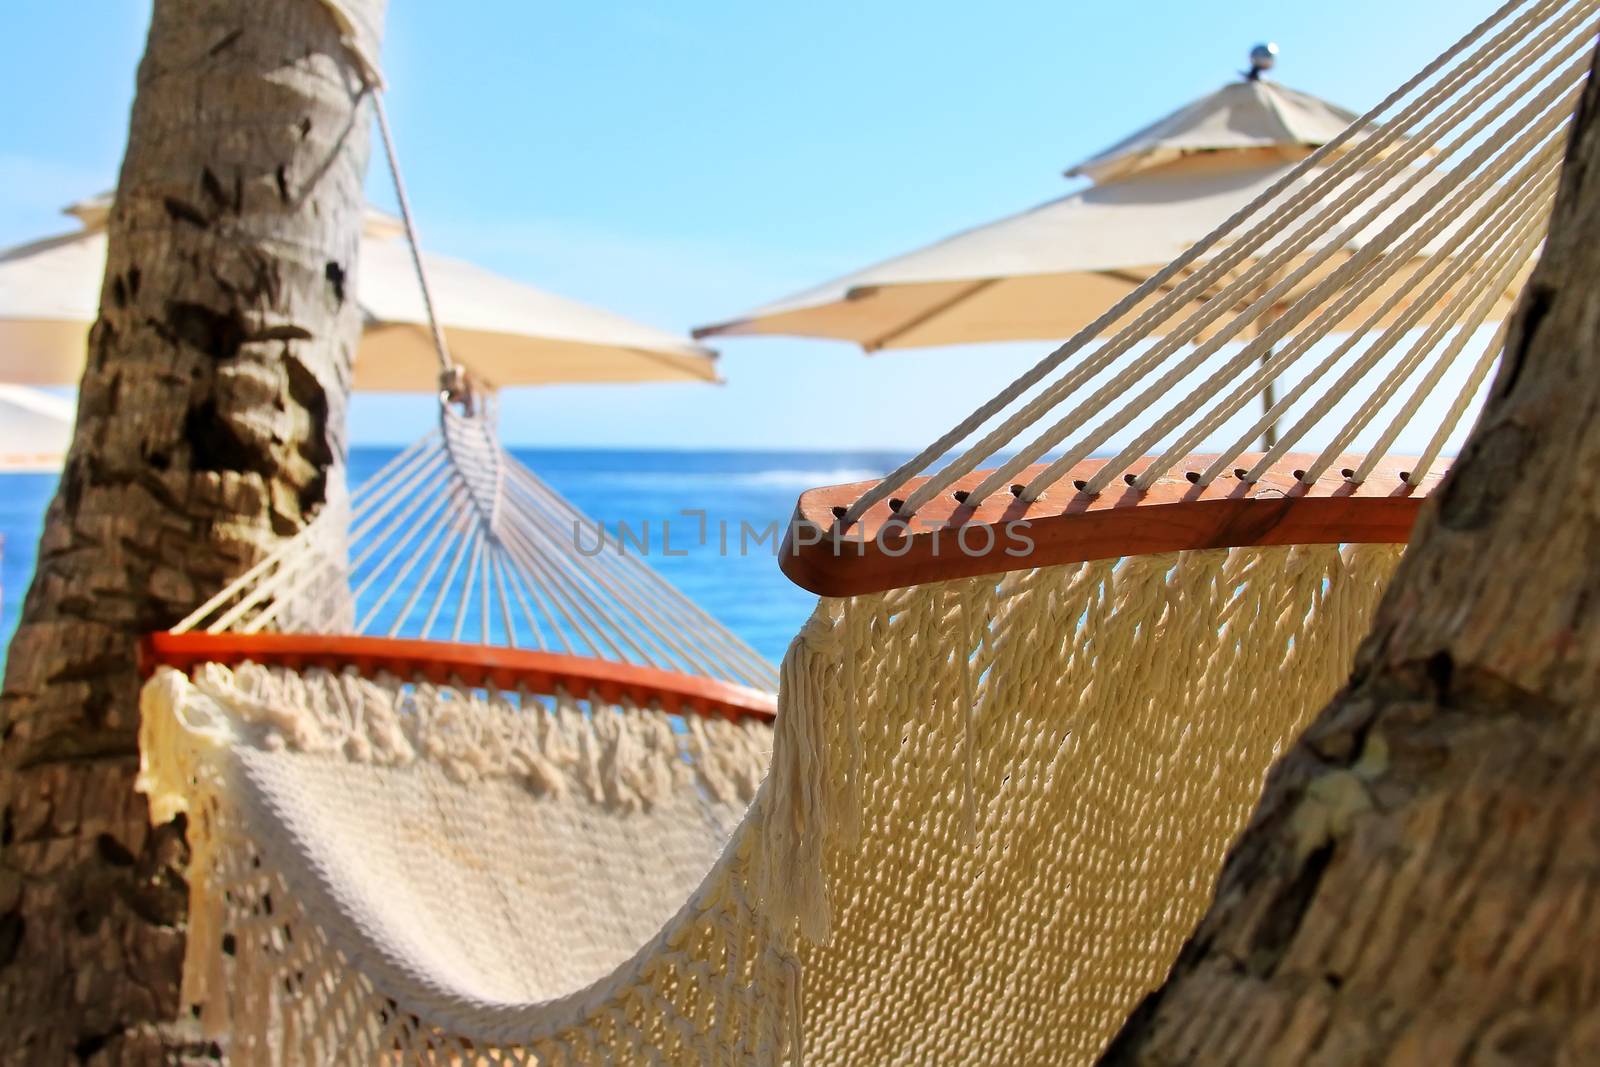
[(1047, 272), (35, 430), (504, 332)]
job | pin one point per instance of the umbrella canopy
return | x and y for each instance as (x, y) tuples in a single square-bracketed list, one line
[(504, 332), (1048, 272), (35, 430), (1249, 115)]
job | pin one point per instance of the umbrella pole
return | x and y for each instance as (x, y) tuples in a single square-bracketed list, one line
[(1269, 397), (1269, 391)]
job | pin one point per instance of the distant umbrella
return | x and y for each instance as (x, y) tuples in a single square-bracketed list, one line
[(35, 430), (504, 332), (1046, 273)]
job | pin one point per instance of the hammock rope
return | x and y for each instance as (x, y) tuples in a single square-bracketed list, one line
[(447, 366), (998, 789), (507, 570), (1335, 180)]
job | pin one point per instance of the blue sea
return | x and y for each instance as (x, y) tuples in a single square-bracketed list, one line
[(736, 490)]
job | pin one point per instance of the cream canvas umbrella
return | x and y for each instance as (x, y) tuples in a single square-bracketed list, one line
[(35, 430), (504, 332), (1047, 272)]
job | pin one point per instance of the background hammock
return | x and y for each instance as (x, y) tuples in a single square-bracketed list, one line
[(455, 540), (1001, 785)]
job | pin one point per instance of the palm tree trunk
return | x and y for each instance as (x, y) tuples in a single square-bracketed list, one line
[(210, 426), (1420, 883)]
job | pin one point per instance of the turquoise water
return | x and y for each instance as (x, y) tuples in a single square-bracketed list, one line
[(737, 491)]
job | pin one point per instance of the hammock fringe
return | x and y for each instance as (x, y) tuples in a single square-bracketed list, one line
[(616, 756)]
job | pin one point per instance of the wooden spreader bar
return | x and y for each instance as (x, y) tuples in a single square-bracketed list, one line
[(452, 663), (948, 538)]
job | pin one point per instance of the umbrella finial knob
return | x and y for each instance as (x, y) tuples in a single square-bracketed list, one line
[(1263, 57)]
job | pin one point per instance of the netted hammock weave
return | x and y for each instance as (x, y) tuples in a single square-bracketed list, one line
[(1001, 781)]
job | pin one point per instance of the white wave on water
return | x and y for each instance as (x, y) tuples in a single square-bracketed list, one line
[(801, 479), (795, 479)]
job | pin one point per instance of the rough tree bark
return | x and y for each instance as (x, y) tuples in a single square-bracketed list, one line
[(210, 426), (1420, 883)]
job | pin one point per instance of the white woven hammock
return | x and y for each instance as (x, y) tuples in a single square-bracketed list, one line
[(996, 804)]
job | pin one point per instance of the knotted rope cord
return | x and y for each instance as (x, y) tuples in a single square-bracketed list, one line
[(1497, 60), (417, 559), (1267, 269), (1487, 241), (1358, 267), (1469, 309), (1190, 287), (452, 380), (653, 604), (449, 373), (659, 629), (1453, 267), (1469, 389), (1532, 235), (1352, 281), (1361, 261), (282, 576), (1272, 286)]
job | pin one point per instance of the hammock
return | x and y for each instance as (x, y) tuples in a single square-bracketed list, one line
[(1008, 757)]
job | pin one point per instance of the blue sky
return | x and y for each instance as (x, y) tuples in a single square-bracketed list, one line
[(682, 162)]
